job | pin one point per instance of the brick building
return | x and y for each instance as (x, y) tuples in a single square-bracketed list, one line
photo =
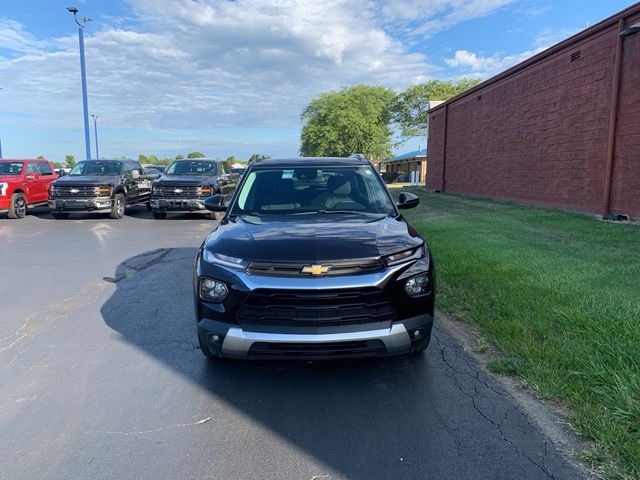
[(561, 129)]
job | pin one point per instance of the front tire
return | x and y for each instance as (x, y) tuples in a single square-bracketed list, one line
[(159, 215), (60, 215), (117, 210), (18, 208)]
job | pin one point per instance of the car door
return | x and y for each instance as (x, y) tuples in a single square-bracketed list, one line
[(47, 175), (130, 184), (143, 183), (36, 190)]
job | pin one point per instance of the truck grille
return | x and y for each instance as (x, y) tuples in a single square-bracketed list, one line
[(78, 191), (177, 191), (312, 308), (294, 269)]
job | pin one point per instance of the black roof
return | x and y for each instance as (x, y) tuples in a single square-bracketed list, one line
[(199, 159), (312, 162)]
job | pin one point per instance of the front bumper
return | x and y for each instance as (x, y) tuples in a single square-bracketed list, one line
[(400, 338), (393, 324), (177, 204), (80, 204)]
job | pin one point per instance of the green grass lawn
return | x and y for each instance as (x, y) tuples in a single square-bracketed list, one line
[(559, 293)]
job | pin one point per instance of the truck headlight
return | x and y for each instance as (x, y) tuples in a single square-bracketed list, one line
[(405, 256), (3, 188), (103, 190), (416, 286), (212, 290), (205, 191), (225, 260)]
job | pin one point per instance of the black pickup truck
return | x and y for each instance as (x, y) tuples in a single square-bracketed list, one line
[(188, 183), (100, 185)]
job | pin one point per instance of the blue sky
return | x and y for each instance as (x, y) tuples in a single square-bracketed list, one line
[(231, 77)]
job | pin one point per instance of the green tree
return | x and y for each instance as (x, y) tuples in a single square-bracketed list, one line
[(353, 120), (230, 161), (255, 156), (143, 159), (410, 108), (196, 155), (152, 159), (40, 157), (70, 160), (179, 157)]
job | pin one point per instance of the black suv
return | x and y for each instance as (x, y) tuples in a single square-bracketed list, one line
[(100, 185), (313, 260), (187, 184)]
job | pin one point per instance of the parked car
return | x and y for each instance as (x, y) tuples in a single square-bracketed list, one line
[(24, 185), (313, 259), (100, 185), (187, 184), (238, 171)]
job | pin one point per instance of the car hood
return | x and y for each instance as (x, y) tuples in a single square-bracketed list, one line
[(88, 180), (312, 240), (184, 180)]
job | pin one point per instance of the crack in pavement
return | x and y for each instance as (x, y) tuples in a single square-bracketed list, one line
[(473, 396)]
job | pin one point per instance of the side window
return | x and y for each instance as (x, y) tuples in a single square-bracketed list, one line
[(32, 168), (127, 169), (45, 168)]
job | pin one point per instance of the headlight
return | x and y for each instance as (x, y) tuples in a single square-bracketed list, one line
[(103, 190), (205, 191), (417, 286), (212, 290), (225, 260), (3, 188), (405, 256)]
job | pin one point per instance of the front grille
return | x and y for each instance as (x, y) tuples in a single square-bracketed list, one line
[(354, 348), (177, 191), (294, 269), (313, 308), (79, 191)]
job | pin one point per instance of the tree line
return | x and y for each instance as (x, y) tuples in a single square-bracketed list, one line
[(70, 160), (370, 119)]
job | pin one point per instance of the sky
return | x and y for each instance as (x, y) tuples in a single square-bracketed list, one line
[(231, 77)]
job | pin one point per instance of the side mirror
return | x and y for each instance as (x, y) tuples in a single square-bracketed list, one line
[(215, 203), (135, 174), (407, 200)]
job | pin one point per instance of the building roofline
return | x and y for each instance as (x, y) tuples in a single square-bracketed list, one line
[(599, 27)]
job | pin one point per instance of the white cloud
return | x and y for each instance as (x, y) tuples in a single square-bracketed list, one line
[(471, 63), (207, 64)]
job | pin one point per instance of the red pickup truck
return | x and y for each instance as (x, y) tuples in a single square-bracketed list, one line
[(24, 184)]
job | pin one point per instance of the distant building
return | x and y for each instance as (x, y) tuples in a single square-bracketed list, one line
[(406, 163), (561, 129)]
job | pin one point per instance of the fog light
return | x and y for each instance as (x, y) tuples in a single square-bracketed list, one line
[(417, 333), (417, 286), (212, 290)]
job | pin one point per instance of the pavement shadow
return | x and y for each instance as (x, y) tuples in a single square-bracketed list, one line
[(347, 414), (433, 416)]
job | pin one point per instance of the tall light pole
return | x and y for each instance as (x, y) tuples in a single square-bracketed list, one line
[(85, 104), (95, 131)]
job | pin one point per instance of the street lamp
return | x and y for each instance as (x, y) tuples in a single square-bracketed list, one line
[(95, 131), (85, 104)]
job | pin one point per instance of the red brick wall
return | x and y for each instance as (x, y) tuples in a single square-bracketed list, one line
[(539, 135)]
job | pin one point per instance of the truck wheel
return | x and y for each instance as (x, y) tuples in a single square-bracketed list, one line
[(18, 208), (60, 215), (159, 215), (117, 210)]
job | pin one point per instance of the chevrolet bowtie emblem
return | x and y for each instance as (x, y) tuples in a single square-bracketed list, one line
[(316, 269)]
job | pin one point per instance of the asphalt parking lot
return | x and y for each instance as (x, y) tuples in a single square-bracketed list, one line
[(101, 377)]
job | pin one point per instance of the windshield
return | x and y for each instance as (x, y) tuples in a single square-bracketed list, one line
[(194, 167), (97, 168), (11, 168), (313, 190)]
